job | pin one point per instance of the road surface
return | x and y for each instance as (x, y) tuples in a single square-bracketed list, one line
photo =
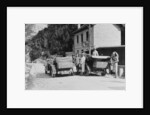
[(42, 81)]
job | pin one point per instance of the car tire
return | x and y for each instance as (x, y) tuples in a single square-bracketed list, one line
[(104, 73), (72, 73)]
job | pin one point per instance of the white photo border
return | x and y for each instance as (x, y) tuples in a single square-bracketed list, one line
[(18, 97)]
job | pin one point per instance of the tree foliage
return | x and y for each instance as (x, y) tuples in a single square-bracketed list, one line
[(56, 39)]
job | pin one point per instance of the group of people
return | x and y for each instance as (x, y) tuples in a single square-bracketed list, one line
[(80, 62)]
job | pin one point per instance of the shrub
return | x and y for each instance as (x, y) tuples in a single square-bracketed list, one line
[(34, 54)]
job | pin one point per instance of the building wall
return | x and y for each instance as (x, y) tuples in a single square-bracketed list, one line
[(106, 35), (102, 35), (79, 46), (107, 51)]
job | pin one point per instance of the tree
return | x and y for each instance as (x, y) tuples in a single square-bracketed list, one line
[(56, 39), (61, 38)]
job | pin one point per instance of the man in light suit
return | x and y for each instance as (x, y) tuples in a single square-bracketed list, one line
[(82, 62)]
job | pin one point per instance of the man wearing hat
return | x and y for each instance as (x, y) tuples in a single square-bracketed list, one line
[(95, 52)]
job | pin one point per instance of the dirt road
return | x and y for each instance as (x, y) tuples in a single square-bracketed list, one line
[(42, 81)]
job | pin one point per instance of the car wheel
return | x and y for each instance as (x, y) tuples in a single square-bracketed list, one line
[(104, 73), (72, 73)]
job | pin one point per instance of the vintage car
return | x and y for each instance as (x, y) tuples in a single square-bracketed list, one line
[(59, 66), (64, 65), (97, 64)]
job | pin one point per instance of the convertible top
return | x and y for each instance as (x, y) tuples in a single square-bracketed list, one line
[(100, 57)]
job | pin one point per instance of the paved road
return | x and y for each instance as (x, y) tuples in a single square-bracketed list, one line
[(41, 81)]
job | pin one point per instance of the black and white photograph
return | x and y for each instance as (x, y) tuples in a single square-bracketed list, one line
[(75, 56)]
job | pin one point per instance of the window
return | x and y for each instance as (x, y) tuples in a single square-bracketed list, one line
[(77, 39), (87, 36), (81, 38), (82, 51), (87, 51)]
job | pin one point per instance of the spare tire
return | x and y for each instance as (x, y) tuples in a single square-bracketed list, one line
[(103, 73)]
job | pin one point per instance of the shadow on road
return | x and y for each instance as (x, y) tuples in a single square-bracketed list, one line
[(43, 75)]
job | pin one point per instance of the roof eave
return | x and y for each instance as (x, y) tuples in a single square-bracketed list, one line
[(82, 28)]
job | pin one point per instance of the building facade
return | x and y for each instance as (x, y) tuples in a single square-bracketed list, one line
[(82, 39), (96, 35), (105, 37)]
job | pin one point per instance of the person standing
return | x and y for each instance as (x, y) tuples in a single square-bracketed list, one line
[(114, 63), (82, 62), (74, 64), (77, 62), (95, 52)]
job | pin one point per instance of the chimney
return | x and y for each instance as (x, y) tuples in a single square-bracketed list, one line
[(79, 26)]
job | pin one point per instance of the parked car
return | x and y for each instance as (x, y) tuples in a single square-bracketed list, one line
[(50, 67), (97, 65), (64, 65)]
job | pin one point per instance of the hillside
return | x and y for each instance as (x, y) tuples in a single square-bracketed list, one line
[(53, 39)]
